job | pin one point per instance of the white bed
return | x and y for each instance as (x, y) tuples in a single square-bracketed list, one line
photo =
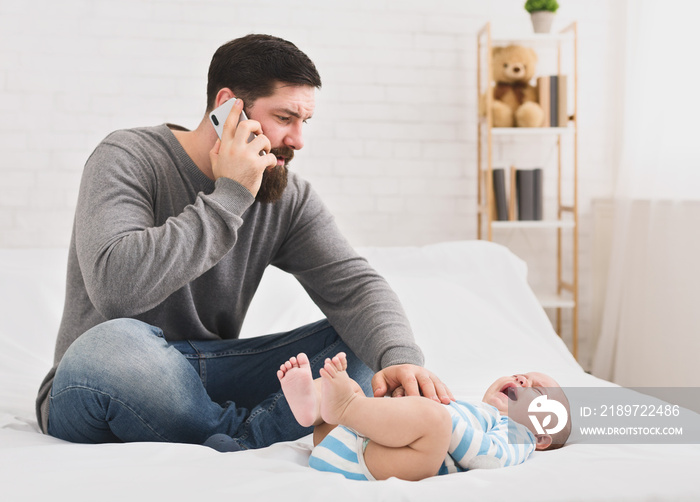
[(474, 316)]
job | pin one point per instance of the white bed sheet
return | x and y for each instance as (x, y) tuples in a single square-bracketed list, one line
[(475, 318)]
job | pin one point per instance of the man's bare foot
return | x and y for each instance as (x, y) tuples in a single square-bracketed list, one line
[(299, 389), (338, 390)]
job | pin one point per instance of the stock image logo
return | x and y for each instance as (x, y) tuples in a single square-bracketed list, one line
[(607, 415), (542, 409), (544, 412)]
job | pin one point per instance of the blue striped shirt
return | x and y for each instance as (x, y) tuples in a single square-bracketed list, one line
[(483, 438)]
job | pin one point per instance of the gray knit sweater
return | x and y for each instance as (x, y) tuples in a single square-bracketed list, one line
[(156, 240)]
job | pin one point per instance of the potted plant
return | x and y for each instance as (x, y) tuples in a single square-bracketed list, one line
[(541, 13)]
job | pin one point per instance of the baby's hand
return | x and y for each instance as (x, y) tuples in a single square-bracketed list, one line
[(399, 392)]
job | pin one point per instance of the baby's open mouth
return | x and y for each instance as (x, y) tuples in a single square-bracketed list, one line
[(509, 390)]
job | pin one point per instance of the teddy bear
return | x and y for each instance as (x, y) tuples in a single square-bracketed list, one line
[(514, 99)]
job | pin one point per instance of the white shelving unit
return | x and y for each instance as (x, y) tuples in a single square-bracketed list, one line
[(566, 220)]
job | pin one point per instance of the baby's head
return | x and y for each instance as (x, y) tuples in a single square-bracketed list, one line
[(515, 403)]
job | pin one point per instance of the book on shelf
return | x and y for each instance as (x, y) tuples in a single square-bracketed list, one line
[(553, 101), (562, 103), (552, 97), (499, 194), (528, 187), (537, 193), (517, 195)]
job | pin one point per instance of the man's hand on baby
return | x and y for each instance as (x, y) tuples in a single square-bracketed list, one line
[(410, 380)]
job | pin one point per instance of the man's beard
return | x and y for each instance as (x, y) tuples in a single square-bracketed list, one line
[(274, 180)]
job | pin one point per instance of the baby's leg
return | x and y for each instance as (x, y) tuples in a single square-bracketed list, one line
[(300, 390), (409, 436), (323, 429)]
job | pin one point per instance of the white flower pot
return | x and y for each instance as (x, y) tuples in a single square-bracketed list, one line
[(542, 21)]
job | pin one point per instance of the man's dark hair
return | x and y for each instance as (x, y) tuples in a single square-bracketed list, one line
[(253, 65)]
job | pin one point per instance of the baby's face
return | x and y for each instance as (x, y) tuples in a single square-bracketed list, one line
[(497, 393), (512, 396)]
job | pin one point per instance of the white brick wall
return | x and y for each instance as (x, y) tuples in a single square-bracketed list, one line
[(392, 146)]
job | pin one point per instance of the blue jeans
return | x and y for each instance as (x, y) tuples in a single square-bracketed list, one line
[(121, 381)]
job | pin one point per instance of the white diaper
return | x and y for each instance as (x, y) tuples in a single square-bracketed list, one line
[(342, 451)]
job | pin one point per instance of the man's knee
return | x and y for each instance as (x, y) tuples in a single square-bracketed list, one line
[(126, 329), (111, 347), (118, 375)]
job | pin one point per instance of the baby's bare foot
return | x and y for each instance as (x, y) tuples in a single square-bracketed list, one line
[(299, 389), (337, 389)]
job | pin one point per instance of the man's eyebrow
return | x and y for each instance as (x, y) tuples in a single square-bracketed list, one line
[(294, 114)]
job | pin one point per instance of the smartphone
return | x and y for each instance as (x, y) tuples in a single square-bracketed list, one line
[(219, 116)]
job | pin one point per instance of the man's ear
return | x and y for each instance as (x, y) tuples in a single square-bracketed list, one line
[(543, 441), (223, 95)]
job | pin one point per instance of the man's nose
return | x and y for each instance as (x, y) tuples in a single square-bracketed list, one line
[(295, 139)]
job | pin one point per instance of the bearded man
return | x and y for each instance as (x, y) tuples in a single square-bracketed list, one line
[(172, 233)]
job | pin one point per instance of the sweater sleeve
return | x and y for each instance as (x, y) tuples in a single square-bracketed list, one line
[(131, 262), (358, 302)]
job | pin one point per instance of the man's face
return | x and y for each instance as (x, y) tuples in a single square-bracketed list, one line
[(282, 116)]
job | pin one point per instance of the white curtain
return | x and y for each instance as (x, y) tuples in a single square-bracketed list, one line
[(651, 323)]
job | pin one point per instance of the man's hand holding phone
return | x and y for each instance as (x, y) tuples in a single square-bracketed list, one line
[(242, 152)]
